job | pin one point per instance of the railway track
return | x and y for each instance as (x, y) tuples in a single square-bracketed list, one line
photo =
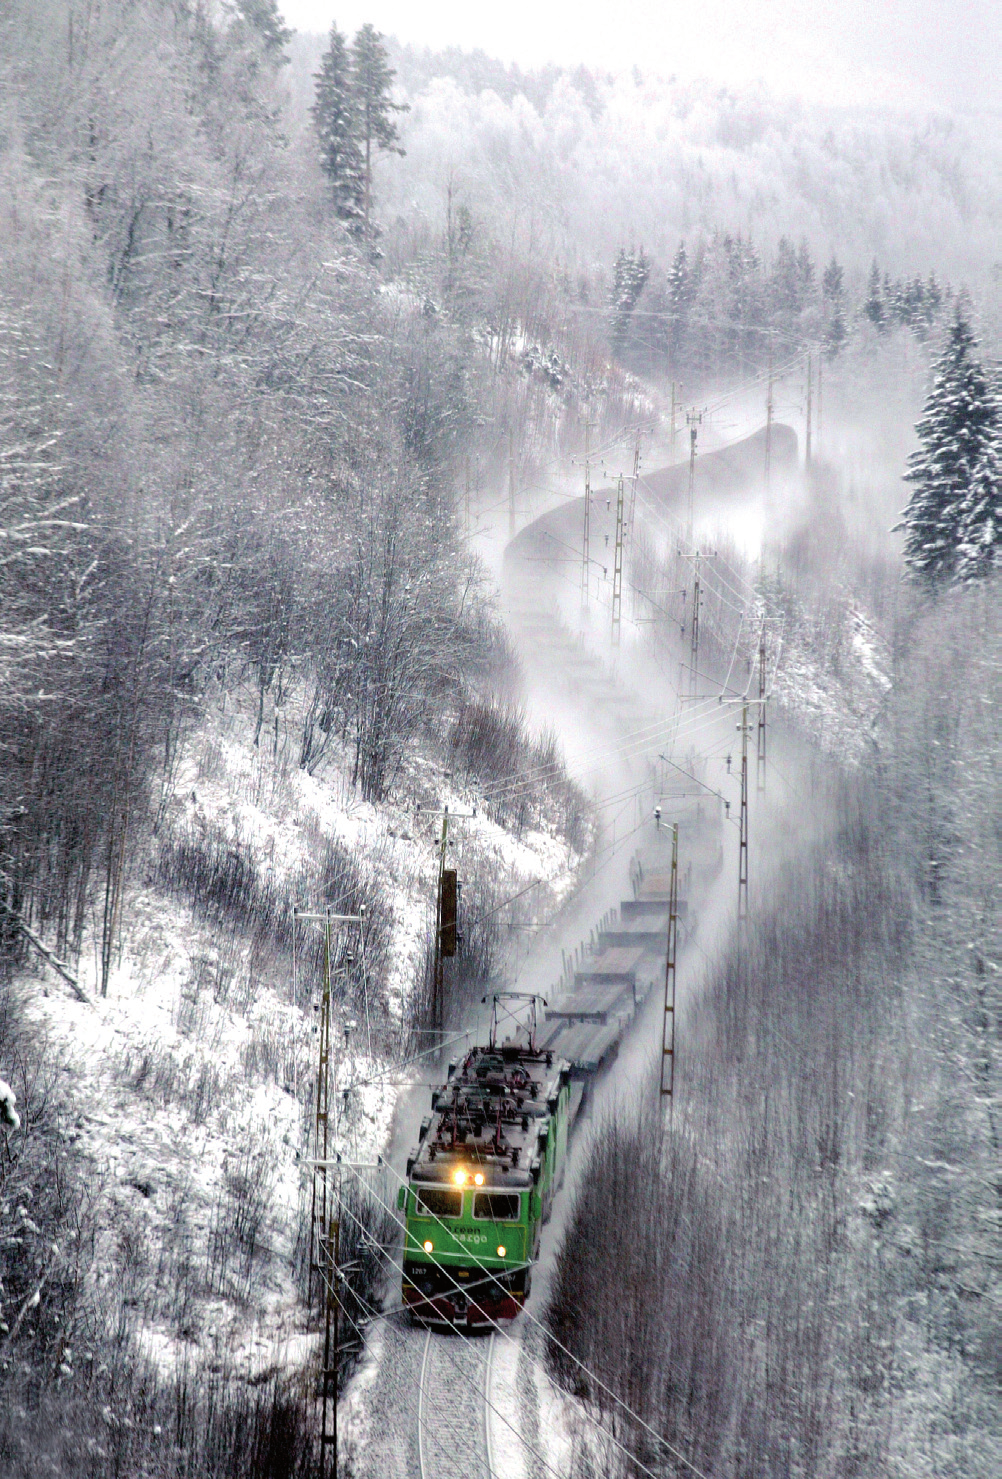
[(454, 1413)]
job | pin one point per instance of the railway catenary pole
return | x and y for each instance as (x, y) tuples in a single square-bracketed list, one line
[(694, 628), (693, 420), (668, 1020), (328, 1395), (744, 727), (438, 984), (807, 430), (586, 532), (697, 601), (321, 1115), (760, 754), (445, 928), (631, 521), (511, 485), (617, 569), (325, 1223), (321, 1202), (466, 521), (636, 479), (768, 427)]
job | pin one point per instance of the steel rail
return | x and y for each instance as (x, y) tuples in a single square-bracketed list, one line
[(420, 1410), (448, 1446), (488, 1371)]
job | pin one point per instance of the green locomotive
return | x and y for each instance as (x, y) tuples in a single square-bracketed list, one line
[(480, 1182)]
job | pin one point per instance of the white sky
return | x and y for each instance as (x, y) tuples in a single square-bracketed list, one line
[(945, 53)]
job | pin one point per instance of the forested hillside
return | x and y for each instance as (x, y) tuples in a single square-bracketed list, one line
[(593, 162), (295, 331), (228, 450), (802, 1276), (241, 638)]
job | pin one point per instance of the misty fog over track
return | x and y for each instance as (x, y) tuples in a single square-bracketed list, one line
[(614, 715)]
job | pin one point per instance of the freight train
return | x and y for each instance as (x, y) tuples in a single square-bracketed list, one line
[(490, 1157)]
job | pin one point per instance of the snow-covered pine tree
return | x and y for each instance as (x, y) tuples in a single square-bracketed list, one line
[(372, 78), (874, 308), (679, 300), (336, 122), (629, 278), (959, 434), (833, 297), (979, 552), (785, 283), (263, 16)]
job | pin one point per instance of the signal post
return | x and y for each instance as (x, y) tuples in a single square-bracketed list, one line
[(446, 914)]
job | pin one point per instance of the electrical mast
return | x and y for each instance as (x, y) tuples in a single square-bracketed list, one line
[(445, 918), (807, 435), (668, 1021), (692, 419), (636, 479), (446, 914), (467, 499), (694, 628), (744, 726), (586, 536), (325, 1224), (511, 485), (760, 759), (768, 426), (617, 569)]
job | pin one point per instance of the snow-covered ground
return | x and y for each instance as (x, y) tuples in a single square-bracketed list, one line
[(188, 1086), (836, 703)]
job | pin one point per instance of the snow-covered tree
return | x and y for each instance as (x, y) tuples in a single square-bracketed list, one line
[(336, 121), (9, 1117), (955, 470), (629, 278), (263, 16), (874, 308), (678, 300), (979, 551), (833, 289), (372, 78)]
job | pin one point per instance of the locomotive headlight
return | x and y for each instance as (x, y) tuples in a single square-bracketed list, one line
[(502, 1250), (428, 1245), (459, 1177), (479, 1178)]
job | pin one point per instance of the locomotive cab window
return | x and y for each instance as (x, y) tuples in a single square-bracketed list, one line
[(495, 1207), (440, 1203)]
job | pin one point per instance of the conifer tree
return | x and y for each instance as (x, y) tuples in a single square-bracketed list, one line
[(950, 523), (874, 308), (263, 16), (979, 552), (785, 283), (833, 291), (679, 300), (335, 118), (629, 279), (372, 78)]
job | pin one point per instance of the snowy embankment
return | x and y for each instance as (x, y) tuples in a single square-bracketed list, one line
[(832, 675), (187, 1089)]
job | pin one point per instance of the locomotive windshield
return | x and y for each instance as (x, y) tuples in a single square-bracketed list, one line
[(440, 1203), (495, 1207)]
